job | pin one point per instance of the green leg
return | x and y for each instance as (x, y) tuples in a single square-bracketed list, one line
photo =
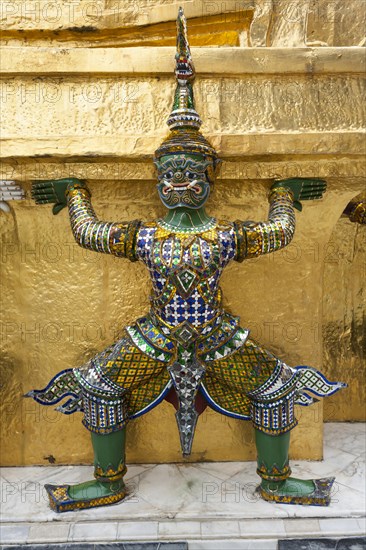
[(277, 485), (109, 469)]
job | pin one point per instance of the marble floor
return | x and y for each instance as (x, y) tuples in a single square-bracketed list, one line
[(213, 506)]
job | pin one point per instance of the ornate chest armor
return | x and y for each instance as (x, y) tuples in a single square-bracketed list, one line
[(185, 270)]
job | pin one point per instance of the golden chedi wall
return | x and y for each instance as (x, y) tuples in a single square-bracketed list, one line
[(87, 93), (344, 318)]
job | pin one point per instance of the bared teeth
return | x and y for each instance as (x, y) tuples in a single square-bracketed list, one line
[(184, 184), (181, 186)]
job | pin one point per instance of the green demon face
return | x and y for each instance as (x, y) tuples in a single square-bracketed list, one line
[(184, 180)]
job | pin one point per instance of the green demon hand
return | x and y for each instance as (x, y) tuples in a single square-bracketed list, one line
[(53, 191), (303, 189)]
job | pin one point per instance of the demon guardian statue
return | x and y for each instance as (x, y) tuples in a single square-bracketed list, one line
[(187, 344)]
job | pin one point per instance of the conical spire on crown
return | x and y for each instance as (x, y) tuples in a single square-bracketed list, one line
[(184, 121), (184, 113)]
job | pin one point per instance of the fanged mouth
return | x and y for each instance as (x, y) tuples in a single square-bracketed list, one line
[(182, 186)]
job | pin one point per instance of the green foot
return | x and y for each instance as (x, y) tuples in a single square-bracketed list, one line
[(64, 498), (291, 487), (94, 489), (297, 491)]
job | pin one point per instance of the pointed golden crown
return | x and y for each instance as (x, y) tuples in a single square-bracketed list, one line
[(184, 122)]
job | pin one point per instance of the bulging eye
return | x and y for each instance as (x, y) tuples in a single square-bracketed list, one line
[(190, 175), (169, 175)]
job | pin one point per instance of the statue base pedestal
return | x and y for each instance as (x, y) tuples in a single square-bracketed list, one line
[(211, 506)]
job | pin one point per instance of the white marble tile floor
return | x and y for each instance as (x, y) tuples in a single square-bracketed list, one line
[(212, 506)]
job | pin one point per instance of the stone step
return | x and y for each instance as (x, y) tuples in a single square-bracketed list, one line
[(200, 534), (211, 506)]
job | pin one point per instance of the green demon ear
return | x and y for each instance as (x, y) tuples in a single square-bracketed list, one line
[(210, 172), (217, 165)]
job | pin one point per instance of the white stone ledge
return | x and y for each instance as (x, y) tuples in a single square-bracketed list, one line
[(209, 534), (212, 505), (160, 61)]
